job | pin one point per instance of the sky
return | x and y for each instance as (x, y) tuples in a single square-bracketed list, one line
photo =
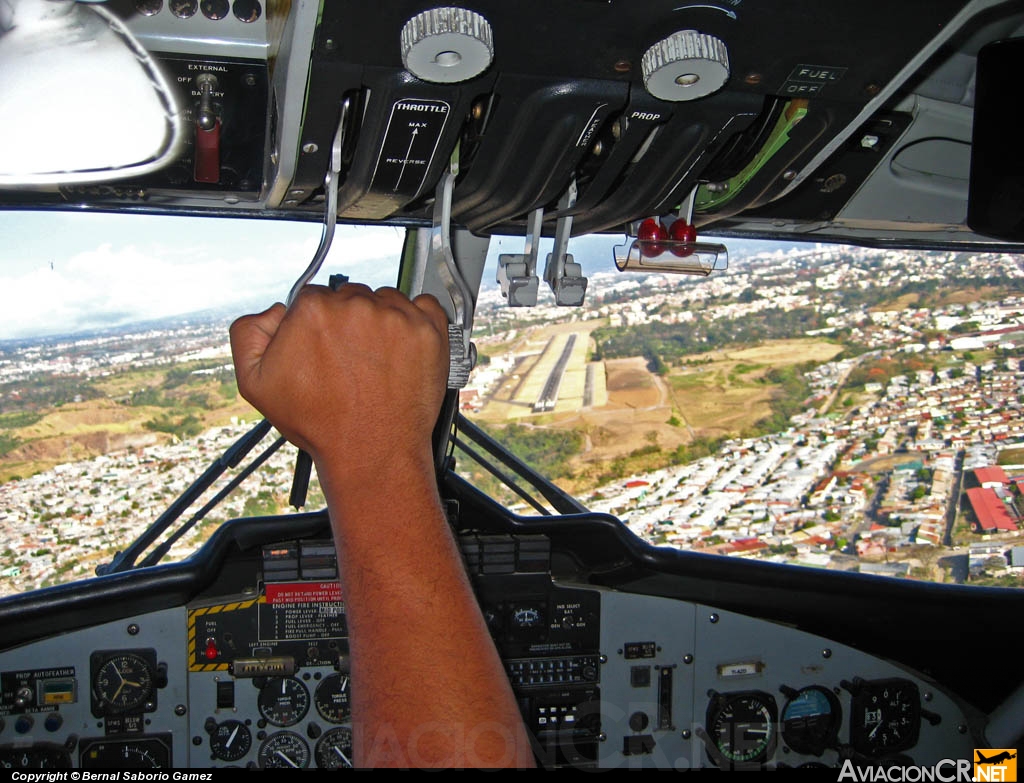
[(62, 272)]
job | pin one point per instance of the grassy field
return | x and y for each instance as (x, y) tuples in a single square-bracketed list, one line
[(1011, 457), (651, 421), (646, 422), (142, 407), (731, 393)]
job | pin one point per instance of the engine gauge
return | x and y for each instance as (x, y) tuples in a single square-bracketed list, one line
[(333, 698), (230, 740), (283, 701), (885, 716), (143, 752), (38, 755), (334, 749), (810, 720), (284, 750), (527, 616), (741, 726), (121, 682)]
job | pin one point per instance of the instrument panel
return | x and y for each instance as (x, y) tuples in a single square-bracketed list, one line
[(260, 678)]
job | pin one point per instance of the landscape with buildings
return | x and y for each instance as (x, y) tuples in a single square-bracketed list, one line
[(825, 406)]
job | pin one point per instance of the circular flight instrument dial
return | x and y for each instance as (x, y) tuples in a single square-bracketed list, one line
[(885, 716), (334, 749), (283, 701), (284, 750), (333, 698), (230, 741), (810, 720), (742, 725), (122, 683)]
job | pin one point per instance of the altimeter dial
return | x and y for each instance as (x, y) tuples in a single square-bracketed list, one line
[(885, 715)]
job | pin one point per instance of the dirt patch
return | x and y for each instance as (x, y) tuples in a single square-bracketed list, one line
[(630, 384), (885, 464)]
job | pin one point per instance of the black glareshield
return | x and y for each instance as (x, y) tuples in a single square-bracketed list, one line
[(996, 202)]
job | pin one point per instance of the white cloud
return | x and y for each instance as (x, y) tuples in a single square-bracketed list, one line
[(179, 266)]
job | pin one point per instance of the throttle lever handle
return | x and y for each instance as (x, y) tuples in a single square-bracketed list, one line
[(459, 365)]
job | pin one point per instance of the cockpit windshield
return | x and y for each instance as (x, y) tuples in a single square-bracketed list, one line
[(814, 405)]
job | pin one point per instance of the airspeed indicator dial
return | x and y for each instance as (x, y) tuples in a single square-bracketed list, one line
[(742, 726)]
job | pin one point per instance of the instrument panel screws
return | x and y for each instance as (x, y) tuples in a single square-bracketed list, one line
[(826, 653), (623, 66), (752, 79), (688, 658), (180, 709), (713, 618), (310, 147), (927, 696), (685, 734), (133, 629), (872, 89), (197, 740), (329, 45), (602, 737), (250, 80), (604, 658), (789, 174), (961, 728)]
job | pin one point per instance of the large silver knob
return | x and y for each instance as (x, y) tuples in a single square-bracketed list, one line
[(447, 45), (685, 66)]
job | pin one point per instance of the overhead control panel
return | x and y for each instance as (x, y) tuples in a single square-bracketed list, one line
[(603, 112)]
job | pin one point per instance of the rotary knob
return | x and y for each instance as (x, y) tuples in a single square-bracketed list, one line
[(685, 66), (447, 45)]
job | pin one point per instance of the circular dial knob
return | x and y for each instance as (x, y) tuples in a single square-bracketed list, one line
[(447, 45), (684, 66)]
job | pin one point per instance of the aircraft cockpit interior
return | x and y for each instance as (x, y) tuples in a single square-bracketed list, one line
[(678, 126)]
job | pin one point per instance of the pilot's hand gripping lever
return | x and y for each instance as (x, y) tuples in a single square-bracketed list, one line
[(461, 350)]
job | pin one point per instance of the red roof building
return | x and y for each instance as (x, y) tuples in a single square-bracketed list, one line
[(989, 510), (991, 476)]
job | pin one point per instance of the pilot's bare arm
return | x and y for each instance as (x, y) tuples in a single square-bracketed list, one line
[(356, 378)]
